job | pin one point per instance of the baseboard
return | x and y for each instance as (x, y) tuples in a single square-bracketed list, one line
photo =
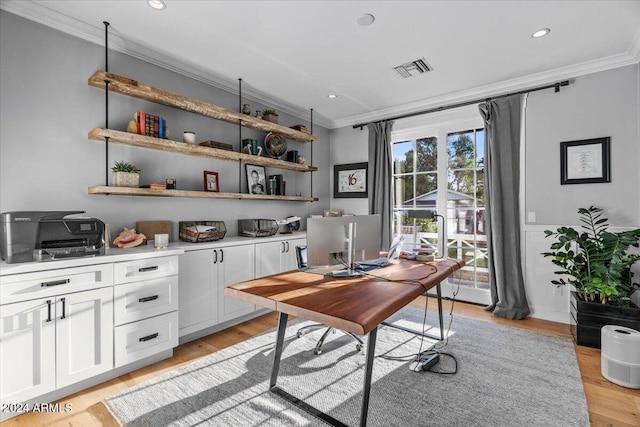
[(551, 315), (220, 326)]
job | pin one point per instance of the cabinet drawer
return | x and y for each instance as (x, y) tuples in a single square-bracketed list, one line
[(143, 269), (137, 301), (28, 286), (145, 338)]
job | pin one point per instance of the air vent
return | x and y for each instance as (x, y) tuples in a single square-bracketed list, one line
[(419, 66)]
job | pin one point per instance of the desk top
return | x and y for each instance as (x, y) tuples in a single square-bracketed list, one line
[(353, 305)]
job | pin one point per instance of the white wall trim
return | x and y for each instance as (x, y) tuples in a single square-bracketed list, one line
[(95, 34), (634, 48)]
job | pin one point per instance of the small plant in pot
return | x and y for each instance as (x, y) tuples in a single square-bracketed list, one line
[(595, 260), (125, 175), (270, 115)]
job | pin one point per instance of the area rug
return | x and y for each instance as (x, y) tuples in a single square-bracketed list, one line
[(505, 377)]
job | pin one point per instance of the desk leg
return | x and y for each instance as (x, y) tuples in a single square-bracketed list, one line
[(282, 327), (439, 294), (419, 333), (368, 371)]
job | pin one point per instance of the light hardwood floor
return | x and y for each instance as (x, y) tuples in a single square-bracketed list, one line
[(609, 404)]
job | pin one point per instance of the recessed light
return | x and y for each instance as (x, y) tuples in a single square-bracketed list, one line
[(332, 96), (540, 33), (157, 4), (365, 19)]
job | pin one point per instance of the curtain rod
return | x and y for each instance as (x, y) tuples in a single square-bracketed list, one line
[(555, 86)]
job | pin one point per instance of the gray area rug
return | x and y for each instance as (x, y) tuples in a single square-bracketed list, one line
[(506, 377)]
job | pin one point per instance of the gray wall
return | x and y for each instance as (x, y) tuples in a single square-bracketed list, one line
[(47, 162)]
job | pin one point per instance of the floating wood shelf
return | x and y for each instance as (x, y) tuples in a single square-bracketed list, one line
[(131, 191), (140, 90), (150, 142)]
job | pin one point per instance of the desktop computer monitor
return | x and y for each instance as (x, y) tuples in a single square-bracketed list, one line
[(328, 239)]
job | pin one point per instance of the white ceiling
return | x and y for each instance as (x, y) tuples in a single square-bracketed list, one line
[(297, 52)]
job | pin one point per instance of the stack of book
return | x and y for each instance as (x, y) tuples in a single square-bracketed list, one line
[(218, 145), (150, 125), (292, 156), (301, 128)]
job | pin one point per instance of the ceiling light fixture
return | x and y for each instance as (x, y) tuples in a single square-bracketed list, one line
[(365, 19), (157, 4), (332, 96), (540, 33)]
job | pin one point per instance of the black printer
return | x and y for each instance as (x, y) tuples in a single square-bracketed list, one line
[(49, 235)]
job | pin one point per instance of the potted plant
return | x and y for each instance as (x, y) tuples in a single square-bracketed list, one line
[(597, 263), (270, 115), (125, 175)]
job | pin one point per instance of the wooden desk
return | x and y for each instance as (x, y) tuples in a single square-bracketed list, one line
[(354, 305)]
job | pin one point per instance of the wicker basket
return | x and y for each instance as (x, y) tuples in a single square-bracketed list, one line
[(201, 231), (257, 227)]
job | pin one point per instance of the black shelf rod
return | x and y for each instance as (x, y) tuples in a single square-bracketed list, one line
[(555, 86), (106, 102), (240, 137), (311, 159)]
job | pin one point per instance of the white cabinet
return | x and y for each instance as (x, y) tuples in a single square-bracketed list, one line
[(277, 257), (204, 274), (145, 308), (57, 335)]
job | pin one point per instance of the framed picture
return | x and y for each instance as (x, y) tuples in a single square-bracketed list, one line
[(256, 182), (211, 182), (350, 180), (585, 162)]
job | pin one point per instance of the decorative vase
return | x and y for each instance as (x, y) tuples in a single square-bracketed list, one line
[(270, 118), (246, 109), (126, 179)]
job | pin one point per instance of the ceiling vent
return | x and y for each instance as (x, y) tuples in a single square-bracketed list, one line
[(419, 66)]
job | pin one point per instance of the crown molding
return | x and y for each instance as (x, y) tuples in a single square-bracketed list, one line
[(53, 19), (487, 91)]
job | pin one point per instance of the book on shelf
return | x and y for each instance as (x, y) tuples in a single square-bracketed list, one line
[(292, 156), (150, 125), (218, 145), (155, 186)]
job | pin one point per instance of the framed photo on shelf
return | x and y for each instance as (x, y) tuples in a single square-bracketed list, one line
[(211, 182), (350, 180), (585, 162), (256, 181)]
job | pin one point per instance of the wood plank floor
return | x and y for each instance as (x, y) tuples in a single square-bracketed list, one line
[(609, 404)]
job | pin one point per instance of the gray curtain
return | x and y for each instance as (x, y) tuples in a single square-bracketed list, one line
[(502, 119), (380, 175)]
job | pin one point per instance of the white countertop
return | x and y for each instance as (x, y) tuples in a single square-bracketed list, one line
[(139, 252)]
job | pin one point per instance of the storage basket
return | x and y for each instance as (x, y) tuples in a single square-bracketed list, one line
[(257, 227), (202, 231)]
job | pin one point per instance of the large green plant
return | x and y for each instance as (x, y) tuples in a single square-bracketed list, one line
[(595, 260)]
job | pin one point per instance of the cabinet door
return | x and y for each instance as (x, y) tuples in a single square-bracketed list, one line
[(27, 350), (197, 291), (289, 259), (84, 329), (269, 258), (235, 265)]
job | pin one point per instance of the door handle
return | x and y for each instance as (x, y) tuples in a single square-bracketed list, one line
[(283, 246), (287, 246), (147, 299), (63, 308), (48, 310), (215, 261), (221, 255)]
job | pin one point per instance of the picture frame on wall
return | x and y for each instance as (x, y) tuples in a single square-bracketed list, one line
[(350, 180), (586, 161), (211, 181), (256, 179)]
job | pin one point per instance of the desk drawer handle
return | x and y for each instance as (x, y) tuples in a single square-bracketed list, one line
[(147, 299), (148, 337), (48, 310), (145, 269), (55, 282), (63, 308)]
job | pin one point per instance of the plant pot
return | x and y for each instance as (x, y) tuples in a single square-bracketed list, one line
[(270, 118), (588, 318), (126, 179)]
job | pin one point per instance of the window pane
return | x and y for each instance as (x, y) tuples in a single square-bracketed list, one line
[(402, 157), (461, 181), (403, 191), (480, 187), (426, 190), (480, 147), (426, 155), (461, 150)]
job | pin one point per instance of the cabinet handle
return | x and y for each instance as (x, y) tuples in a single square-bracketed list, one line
[(63, 308), (48, 310), (147, 299), (221, 255), (282, 251), (145, 269), (55, 282), (148, 337), (287, 246), (215, 261)]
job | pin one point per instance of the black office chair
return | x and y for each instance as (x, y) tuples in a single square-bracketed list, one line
[(301, 256)]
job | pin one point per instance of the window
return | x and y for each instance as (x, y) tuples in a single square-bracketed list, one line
[(449, 179)]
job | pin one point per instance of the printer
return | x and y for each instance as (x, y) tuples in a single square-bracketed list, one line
[(49, 235)]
